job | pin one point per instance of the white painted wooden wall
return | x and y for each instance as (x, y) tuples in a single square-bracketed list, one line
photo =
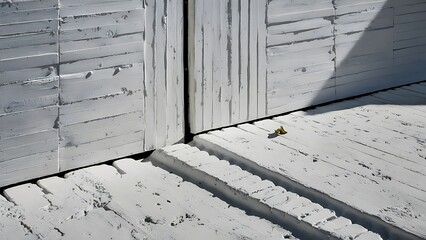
[(252, 59), (227, 62), (86, 81)]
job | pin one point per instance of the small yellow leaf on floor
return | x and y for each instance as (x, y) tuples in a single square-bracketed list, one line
[(280, 131)]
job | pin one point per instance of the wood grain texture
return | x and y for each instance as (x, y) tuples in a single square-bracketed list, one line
[(28, 90), (82, 82), (300, 59), (288, 55), (227, 62), (124, 55), (99, 68)]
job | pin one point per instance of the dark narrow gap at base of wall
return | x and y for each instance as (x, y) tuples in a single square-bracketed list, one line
[(188, 136), (137, 157)]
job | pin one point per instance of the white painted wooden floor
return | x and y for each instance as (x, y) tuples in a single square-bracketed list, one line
[(348, 170), (365, 158), (130, 200)]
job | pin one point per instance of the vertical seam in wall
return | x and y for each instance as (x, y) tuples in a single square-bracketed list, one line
[(239, 61), (58, 48), (187, 130), (334, 46), (248, 60)]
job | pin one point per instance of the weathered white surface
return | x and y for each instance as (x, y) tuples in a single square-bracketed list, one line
[(301, 54), (367, 153), (83, 82), (227, 62), (28, 89), (121, 79), (288, 54), (132, 200), (305, 218)]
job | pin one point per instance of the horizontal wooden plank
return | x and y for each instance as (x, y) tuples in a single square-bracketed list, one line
[(279, 63), (300, 36), (276, 81), (100, 42), (123, 84), (107, 32), (350, 28), (412, 17), (28, 122), (29, 16), (297, 93), (90, 8), (98, 20), (295, 47), (304, 14), (364, 37), (299, 71), (361, 7), (369, 84), (401, 28), (28, 40), (28, 145), (364, 59), (22, 75), (298, 26), (276, 106), (29, 50), (364, 67), (100, 151), (365, 16), (95, 130), (102, 63), (29, 95), (29, 167), (41, 60), (50, 27), (98, 108), (95, 84), (102, 51), (67, 3), (375, 74), (17, 6), (282, 11), (411, 8)]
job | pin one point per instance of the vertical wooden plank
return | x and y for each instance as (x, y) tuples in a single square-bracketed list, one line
[(208, 66), (160, 72), (244, 55), (235, 60), (261, 51), (226, 62), (172, 65), (180, 123), (217, 52), (253, 64), (149, 81), (196, 61)]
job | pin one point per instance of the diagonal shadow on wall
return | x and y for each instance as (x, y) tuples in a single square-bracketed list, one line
[(378, 47)]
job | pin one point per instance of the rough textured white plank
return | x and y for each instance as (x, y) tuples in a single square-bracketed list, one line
[(250, 191), (120, 62), (149, 78), (229, 83), (120, 202), (332, 148)]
